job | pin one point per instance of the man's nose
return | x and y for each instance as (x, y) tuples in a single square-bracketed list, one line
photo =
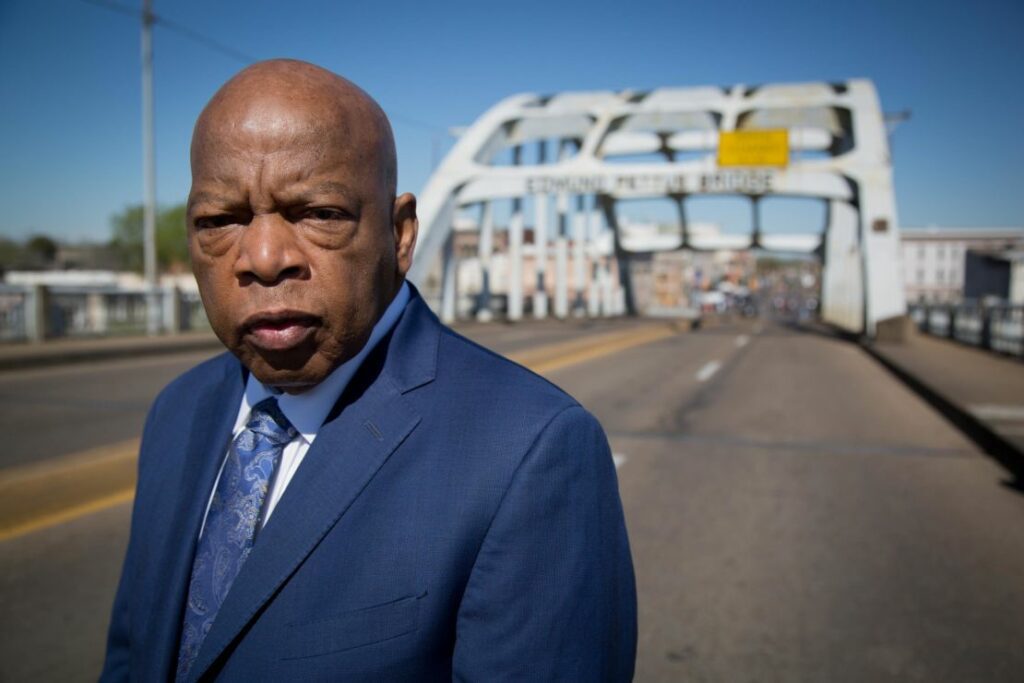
[(269, 251)]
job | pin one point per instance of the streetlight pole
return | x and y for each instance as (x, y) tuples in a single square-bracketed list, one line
[(149, 173)]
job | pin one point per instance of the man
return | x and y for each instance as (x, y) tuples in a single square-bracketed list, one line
[(357, 494)]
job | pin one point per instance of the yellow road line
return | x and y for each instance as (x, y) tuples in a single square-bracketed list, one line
[(67, 514), (42, 495), (94, 457), (604, 348)]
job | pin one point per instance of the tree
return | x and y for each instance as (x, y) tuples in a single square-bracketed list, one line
[(171, 237), (12, 254), (42, 248)]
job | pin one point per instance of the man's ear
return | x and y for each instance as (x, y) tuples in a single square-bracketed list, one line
[(406, 228)]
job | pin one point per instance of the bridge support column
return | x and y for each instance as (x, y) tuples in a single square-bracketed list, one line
[(755, 220), (607, 291), (579, 227), (594, 286), (485, 247), (883, 292), (449, 291), (540, 247), (515, 261), (842, 289), (562, 260)]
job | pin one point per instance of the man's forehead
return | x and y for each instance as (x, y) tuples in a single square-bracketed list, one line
[(291, 108), (276, 121)]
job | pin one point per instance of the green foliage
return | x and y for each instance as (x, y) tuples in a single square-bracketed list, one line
[(42, 248), (38, 251), (12, 254), (171, 236)]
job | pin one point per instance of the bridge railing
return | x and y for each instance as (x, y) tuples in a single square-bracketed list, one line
[(37, 312), (997, 327)]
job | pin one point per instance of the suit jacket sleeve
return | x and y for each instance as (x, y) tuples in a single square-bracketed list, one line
[(551, 595)]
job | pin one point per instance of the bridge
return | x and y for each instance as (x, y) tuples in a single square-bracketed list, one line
[(796, 511), (803, 503), (593, 152)]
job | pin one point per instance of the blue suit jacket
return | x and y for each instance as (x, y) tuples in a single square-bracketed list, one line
[(457, 518)]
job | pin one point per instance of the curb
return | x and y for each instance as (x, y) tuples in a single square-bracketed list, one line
[(983, 436), (41, 356)]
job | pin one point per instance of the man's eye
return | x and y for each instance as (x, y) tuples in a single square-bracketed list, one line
[(326, 214), (208, 222)]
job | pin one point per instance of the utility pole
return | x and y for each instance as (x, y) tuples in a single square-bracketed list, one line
[(149, 173)]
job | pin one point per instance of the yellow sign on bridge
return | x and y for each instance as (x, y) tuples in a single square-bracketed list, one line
[(754, 148)]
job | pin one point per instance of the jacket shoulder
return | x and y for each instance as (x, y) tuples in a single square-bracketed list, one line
[(482, 373), (183, 389)]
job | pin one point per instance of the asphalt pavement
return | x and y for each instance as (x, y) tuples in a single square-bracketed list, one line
[(795, 512)]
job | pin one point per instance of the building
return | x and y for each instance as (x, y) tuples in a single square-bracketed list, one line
[(940, 264)]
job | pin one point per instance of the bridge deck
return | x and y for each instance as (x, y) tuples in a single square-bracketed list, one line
[(795, 512)]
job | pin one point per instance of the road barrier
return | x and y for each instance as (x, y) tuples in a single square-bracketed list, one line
[(40, 312), (994, 327)]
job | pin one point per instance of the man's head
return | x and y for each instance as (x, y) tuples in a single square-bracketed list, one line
[(296, 237)]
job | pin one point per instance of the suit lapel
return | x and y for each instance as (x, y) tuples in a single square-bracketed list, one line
[(209, 434), (371, 420)]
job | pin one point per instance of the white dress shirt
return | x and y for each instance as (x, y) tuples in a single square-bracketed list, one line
[(308, 410)]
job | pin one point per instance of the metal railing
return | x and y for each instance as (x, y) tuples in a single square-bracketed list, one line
[(997, 327), (13, 302), (36, 313)]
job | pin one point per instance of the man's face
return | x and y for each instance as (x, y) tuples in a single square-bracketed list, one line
[(295, 242)]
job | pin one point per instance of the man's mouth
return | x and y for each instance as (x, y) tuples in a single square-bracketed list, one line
[(279, 330)]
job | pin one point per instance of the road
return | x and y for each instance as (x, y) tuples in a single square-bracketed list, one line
[(795, 513)]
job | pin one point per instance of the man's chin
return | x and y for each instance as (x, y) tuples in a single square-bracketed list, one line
[(292, 371)]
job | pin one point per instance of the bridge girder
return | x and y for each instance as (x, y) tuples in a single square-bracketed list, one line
[(838, 152)]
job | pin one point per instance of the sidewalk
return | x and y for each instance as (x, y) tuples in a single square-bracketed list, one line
[(60, 351), (981, 391)]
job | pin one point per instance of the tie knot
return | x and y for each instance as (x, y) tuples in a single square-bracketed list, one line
[(267, 419)]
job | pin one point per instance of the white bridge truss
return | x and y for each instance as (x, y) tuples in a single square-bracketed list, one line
[(838, 152)]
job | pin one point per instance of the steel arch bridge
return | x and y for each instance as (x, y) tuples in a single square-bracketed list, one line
[(816, 140)]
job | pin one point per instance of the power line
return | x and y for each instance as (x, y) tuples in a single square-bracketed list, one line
[(208, 42), (114, 6), (175, 27), (229, 51)]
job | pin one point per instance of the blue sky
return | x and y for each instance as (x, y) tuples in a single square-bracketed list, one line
[(70, 104)]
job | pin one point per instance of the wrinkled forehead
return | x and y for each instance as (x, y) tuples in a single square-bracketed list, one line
[(267, 124), (295, 126)]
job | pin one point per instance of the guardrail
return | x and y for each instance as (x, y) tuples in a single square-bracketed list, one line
[(993, 327), (38, 312)]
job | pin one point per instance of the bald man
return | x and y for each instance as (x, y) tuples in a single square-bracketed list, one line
[(354, 492)]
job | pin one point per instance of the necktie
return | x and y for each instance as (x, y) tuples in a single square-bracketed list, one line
[(227, 537)]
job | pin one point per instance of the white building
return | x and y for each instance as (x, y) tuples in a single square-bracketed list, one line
[(934, 259)]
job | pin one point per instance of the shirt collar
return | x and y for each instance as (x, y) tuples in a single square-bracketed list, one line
[(308, 410)]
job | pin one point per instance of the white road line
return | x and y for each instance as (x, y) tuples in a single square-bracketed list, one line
[(709, 369), (618, 459), (741, 341), (1009, 413)]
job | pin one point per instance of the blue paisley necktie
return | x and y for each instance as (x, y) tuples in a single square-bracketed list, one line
[(231, 522)]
